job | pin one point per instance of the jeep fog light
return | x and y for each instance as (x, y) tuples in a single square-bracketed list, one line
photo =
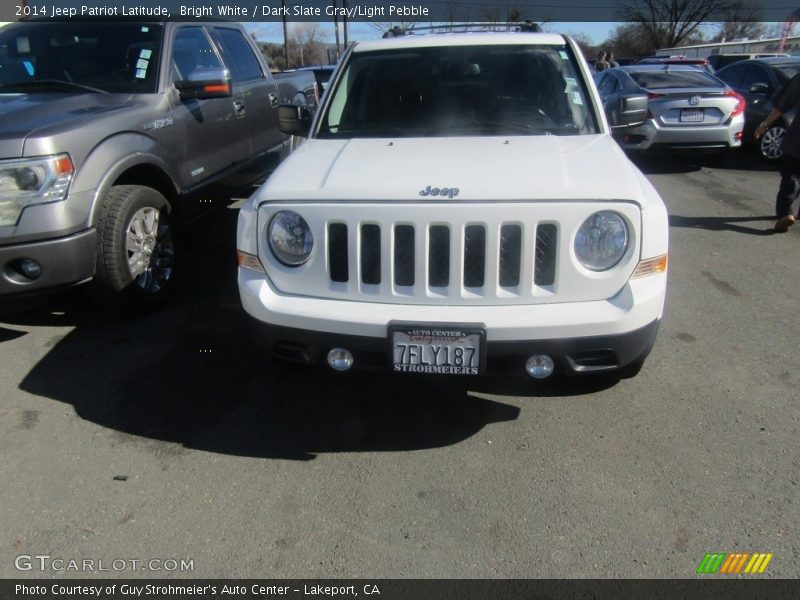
[(540, 366), (602, 241), (340, 359), (290, 238)]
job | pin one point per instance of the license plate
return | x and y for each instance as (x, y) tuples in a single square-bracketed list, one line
[(441, 350), (692, 115)]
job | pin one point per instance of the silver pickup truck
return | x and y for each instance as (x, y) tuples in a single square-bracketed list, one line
[(111, 134)]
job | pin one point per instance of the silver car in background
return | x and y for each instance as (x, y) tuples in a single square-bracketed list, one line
[(687, 108)]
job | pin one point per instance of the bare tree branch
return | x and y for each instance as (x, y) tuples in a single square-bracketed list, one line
[(667, 23)]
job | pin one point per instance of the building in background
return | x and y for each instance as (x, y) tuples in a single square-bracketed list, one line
[(762, 46)]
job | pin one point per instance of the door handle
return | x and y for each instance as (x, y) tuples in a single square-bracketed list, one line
[(273, 100), (238, 107)]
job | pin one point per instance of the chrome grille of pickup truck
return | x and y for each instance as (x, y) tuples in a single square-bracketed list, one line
[(473, 250)]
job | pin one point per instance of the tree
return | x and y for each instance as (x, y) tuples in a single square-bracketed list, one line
[(274, 55), (588, 48), (306, 44), (741, 21), (667, 23), (499, 16)]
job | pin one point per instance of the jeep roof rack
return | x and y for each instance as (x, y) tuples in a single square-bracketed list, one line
[(485, 27)]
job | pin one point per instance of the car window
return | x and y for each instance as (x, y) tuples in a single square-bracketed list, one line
[(60, 57), (656, 80), (192, 50), (460, 90), (239, 55), (754, 74), (733, 75)]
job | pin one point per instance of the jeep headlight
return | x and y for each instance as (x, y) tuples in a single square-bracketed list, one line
[(290, 238), (32, 181), (602, 240)]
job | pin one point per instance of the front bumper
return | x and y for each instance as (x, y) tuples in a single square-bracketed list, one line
[(64, 261), (581, 336), (584, 355)]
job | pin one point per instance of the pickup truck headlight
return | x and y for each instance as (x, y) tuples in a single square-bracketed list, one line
[(32, 181), (290, 238), (602, 240)]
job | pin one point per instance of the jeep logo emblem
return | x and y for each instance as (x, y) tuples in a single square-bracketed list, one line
[(449, 192)]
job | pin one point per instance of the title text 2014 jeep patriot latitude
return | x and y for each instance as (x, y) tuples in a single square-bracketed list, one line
[(111, 132), (459, 207)]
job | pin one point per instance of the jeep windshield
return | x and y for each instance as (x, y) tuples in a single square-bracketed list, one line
[(460, 91), (80, 57)]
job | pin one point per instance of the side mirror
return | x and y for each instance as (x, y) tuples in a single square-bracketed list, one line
[(205, 83), (294, 119), (630, 110), (760, 88)]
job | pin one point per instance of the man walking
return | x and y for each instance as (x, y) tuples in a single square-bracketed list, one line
[(788, 98)]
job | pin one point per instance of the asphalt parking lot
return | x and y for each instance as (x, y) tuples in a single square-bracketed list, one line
[(170, 436)]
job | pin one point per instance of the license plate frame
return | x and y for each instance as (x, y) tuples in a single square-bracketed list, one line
[(435, 348), (692, 115)]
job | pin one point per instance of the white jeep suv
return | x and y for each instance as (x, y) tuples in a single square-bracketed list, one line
[(458, 207)]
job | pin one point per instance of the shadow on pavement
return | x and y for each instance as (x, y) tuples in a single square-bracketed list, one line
[(9, 334), (665, 163), (190, 375), (724, 224)]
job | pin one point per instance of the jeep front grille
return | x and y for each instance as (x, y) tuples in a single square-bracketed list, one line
[(473, 248), (440, 253), (546, 240)]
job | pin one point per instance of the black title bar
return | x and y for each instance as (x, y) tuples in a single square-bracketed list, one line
[(396, 589), (385, 11)]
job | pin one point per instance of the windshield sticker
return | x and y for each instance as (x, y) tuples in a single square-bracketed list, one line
[(145, 54), (576, 98), (23, 45), (141, 73), (563, 55), (145, 29), (571, 82), (29, 67), (142, 64)]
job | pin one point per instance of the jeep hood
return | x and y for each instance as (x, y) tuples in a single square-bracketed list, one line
[(23, 115), (485, 168)]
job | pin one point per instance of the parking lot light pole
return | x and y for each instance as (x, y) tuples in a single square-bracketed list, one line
[(285, 35)]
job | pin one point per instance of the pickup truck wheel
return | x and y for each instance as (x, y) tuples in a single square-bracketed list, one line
[(136, 249)]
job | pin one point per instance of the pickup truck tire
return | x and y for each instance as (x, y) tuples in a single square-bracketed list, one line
[(135, 267)]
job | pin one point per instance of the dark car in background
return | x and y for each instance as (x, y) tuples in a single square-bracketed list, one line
[(759, 81), (688, 108), (719, 61)]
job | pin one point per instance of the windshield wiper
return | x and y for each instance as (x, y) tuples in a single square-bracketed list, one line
[(53, 83)]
